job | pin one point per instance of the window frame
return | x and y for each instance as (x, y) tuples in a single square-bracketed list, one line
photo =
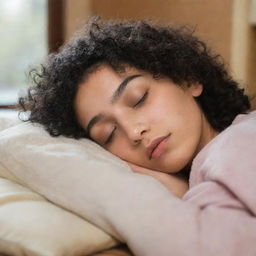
[(55, 31), (55, 24)]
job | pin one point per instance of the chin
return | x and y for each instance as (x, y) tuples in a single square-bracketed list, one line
[(175, 165)]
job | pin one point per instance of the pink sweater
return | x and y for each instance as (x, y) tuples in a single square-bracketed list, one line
[(223, 186)]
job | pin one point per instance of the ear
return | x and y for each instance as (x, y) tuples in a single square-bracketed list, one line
[(195, 89)]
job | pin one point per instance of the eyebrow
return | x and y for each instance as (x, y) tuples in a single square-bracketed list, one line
[(119, 91), (115, 97)]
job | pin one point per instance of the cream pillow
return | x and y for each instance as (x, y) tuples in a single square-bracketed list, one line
[(29, 224)]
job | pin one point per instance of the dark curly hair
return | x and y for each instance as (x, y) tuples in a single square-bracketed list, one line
[(161, 50)]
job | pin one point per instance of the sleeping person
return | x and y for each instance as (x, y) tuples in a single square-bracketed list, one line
[(158, 98)]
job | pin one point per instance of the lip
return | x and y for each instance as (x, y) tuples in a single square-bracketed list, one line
[(153, 149)]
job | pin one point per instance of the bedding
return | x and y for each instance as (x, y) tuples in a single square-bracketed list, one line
[(215, 217), (31, 225)]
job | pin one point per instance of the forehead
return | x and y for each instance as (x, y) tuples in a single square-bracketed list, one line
[(104, 80), (95, 92)]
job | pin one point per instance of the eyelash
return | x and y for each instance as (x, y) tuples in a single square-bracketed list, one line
[(110, 137), (141, 100)]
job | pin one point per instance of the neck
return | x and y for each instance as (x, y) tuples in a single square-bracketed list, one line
[(208, 133)]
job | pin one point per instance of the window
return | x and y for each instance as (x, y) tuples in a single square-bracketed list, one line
[(23, 33)]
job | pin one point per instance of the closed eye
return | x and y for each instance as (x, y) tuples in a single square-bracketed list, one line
[(110, 137), (142, 99)]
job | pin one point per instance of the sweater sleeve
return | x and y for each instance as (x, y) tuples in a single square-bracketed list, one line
[(163, 225)]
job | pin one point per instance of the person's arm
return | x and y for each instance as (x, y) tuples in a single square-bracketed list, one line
[(156, 223), (176, 185)]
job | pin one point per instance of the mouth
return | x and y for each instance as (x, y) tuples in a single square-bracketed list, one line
[(157, 147)]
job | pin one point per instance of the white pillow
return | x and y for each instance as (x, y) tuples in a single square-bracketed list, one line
[(28, 222)]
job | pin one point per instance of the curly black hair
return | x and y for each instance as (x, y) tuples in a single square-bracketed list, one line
[(162, 50)]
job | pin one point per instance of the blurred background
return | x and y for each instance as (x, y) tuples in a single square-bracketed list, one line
[(30, 29)]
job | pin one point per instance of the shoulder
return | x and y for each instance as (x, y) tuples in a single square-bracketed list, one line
[(230, 159), (233, 150)]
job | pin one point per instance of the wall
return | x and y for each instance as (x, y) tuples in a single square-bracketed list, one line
[(76, 13), (243, 46), (212, 19), (223, 24)]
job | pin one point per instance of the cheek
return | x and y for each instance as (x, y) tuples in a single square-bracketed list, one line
[(124, 150), (159, 110), (178, 112), (120, 148)]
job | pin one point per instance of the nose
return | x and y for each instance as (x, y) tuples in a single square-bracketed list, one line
[(135, 131)]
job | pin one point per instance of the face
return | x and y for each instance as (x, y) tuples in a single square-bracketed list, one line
[(144, 121)]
